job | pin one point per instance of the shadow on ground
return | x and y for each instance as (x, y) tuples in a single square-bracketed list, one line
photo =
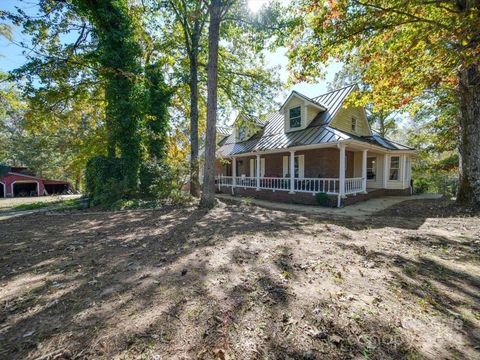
[(238, 281)]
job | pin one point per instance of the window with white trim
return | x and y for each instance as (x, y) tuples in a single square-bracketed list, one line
[(371, 168), (295, 117), (298, 165), (394, 167)]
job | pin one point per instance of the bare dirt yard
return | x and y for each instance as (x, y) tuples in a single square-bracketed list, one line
[(241, 282)]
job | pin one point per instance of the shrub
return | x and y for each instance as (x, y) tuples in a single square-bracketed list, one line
[(103, 180), (157, 180), (322, 199), (422, 185), (434, 182), (105, 185)]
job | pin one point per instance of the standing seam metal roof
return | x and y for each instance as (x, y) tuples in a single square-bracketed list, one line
[(273, 136)]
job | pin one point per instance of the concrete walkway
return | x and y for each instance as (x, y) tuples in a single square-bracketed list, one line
[(360, 209)]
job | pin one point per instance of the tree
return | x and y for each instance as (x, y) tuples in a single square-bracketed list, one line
[(217, 11), (408, 49), (245, 83), (109, 68), (192, 16), (434, 132), (382, 121)]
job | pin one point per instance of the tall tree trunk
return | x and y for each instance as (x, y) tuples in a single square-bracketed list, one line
[(469, 88), (208, 195), (194, 161)]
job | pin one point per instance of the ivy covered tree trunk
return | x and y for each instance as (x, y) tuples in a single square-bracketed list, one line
[(194, 160), (119, 55), (208, 194), (469, 92), (157, 121)]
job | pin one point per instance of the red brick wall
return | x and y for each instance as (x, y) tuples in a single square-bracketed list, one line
[(308, 198), (279, 196), (318, 163)]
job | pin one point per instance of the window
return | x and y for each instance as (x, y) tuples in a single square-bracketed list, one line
[(371, 168), (295, 117), (394, 167), (298, 165), (354, 124), (253, 167)]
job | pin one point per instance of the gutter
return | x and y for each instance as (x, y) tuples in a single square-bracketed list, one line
[(321, 146)]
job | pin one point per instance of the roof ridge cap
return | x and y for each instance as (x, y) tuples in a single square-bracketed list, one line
[(332, 91)]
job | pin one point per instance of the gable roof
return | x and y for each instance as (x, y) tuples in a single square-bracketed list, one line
[(318, 131), (333, 101), (223, 131), (306, 98)]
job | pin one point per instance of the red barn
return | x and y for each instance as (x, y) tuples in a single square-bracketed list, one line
[(19, 182)]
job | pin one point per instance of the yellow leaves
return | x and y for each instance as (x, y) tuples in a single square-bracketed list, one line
[(403, 47)]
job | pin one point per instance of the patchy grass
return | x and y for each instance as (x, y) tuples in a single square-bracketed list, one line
[(33, 206), (60, 205), (32, 203), (241, 283)]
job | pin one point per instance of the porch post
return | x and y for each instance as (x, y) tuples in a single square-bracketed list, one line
[(292, 172), (404, 169), (341, 175), (386, 157), (258, 173), (234, 173), (364, 171)]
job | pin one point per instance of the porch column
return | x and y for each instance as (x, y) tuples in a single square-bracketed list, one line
[(386, 157), (292, 172), (234, 173), (258, 173), (364, 171), (341, 175), (404, 169)]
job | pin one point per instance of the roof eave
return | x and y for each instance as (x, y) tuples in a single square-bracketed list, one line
[(381, 148)]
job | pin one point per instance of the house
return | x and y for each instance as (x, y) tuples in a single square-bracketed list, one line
[(20, 182), (310, 146)]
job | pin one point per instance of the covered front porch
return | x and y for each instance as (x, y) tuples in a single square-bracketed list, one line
[(341, 172)]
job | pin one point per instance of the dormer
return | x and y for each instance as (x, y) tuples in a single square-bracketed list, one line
[(352, 120), (246, 127), (299, 111)]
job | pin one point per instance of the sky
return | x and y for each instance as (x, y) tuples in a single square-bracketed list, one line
[(11, 55)]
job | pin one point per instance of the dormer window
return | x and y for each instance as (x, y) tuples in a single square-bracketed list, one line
[(295, 117), (354, 124)]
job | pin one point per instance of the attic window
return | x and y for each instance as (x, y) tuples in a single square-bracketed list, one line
[(354, 124), (295, 117)]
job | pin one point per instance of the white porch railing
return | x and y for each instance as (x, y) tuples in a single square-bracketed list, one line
[(223, 181), (316, 185), (274, 183), (246, 182), (330, 186), (353, 185)]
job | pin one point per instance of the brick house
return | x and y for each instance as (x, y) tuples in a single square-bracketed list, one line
[(326, 145)]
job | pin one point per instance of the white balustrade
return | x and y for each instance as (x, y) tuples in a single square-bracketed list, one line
[(354, 185), (246, 182), (316, 185), (275, 183), (306, 185)]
